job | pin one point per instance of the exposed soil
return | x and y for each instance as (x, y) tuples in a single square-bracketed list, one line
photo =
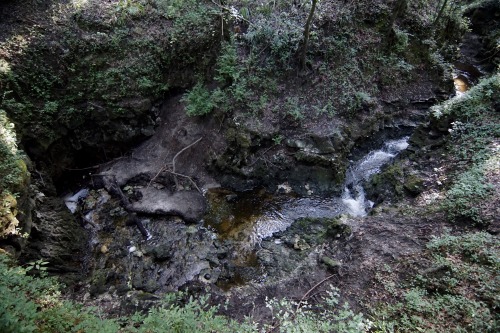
[(162, 185)]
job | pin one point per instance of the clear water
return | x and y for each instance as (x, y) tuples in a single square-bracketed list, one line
[(258, 215)]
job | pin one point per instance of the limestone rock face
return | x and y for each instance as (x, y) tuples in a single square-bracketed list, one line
[(56, 237)]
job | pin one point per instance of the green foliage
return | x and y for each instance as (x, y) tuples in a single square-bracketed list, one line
[(474, 125), (198, 101), (277, 139), (38, 266), (458, 293), (12, 168), (13, 176), (195, 316), (473, 105), (170, 8), (402, 40), (294, 108), (30, 304), (465, 196), (101, 59), (227, 63), (275, 38), (129, 9), (329, 316)]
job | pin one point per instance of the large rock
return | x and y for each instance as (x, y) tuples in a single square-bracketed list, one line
[(190, 205), (56, 237)]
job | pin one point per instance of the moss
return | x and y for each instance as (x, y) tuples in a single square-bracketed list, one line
[(311, 158), (102, 62), (413, 184), (387, 184), (8, 212), (316, 230)]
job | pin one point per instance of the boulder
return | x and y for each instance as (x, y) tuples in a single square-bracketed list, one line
[(190, 205)]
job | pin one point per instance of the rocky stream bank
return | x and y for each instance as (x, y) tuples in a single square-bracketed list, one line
[(237, 206)]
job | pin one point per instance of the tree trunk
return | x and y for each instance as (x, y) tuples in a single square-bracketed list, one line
[(307, 30), (441, 10)]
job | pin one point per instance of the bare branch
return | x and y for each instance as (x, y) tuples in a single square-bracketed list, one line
[(176, 155)]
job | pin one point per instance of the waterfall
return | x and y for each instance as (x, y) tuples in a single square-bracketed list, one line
[(353, 196)]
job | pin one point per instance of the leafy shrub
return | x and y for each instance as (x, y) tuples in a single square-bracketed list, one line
[(100, 59), (11, 165), (294, 108), (13, 176), (30, 304), (195, 316), (329, 316), (276, 38), (228, 69), (198, 101)]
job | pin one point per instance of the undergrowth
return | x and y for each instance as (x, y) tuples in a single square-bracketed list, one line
[(354, 55), (34, 304), (458, 292), (101, 61), (474, 127), (14, 176)]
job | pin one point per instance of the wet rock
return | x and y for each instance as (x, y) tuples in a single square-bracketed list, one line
[(162, 252), (414, 185), (386, 185), (265, 257), (209, 275), (316, 159), (231, 197), (190, 205), (177, 254), (300, 244)]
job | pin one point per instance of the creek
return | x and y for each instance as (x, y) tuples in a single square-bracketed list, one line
[(248, 218), (137, 243), (243, 236), (225, 247)]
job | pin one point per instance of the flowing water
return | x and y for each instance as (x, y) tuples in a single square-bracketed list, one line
[(250, 217), (244, 219)]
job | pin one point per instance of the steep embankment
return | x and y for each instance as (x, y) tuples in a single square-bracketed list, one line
[(83, 81), (86, 81)]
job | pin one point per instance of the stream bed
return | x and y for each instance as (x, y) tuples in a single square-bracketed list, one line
[(250, 217), (244, 237)]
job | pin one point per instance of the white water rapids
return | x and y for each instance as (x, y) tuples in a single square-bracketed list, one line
[(352, 201), (353, 196)]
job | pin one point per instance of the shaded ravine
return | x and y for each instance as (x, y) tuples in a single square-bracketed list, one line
[(227, 241), (248, 218)]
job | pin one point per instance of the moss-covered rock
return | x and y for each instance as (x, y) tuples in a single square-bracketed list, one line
[(413, 184), (8, 212), (386, 185)]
